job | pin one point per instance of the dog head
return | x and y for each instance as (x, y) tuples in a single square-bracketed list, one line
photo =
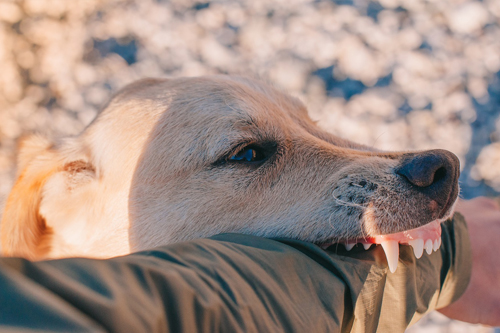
[(173, 160)]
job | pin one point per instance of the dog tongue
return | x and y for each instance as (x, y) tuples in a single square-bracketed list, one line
[(427, 237)]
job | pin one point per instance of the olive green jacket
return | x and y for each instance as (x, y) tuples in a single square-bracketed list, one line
[(235, 283)]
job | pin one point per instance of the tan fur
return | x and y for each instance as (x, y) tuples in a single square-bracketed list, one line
[(153, 169), (27, 237)]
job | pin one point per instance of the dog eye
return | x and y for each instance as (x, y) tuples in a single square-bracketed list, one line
[(249, 154)]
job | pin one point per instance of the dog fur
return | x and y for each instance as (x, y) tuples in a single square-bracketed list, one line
[(155, 167)]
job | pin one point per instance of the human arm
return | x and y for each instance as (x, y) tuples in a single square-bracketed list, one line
[(481, 301), (233, 283)]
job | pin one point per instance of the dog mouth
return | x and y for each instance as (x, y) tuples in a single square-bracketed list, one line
[(427, 237)]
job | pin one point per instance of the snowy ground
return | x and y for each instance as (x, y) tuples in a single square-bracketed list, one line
[(395, 74)]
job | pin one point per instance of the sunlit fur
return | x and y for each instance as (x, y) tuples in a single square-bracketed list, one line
[(152, 169)]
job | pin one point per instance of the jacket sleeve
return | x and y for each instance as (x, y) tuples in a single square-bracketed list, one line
[(235, 283)]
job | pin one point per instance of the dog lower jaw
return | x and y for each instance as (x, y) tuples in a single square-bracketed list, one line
[(427, 237)]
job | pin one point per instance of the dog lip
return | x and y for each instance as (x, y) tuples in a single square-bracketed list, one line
[(430, 230)]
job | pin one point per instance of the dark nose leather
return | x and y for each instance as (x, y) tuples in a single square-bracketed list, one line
[(434, 173)]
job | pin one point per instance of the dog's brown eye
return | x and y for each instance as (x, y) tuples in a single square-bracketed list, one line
[(249, 154)]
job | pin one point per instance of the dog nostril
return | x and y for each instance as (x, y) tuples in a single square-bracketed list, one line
[(440, 174), (423, 170)]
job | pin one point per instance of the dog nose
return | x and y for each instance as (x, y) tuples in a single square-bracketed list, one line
[(434, 173)]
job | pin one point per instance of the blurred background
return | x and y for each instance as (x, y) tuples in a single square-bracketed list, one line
[(393, 74)]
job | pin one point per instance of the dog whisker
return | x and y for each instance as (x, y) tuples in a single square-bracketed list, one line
[(349, 204), (330, 221), (378, 137)]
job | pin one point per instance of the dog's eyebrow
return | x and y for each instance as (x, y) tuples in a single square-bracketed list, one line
[(260, 130), (247, 122)]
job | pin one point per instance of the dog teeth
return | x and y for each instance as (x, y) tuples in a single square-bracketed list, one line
[(391, 249), (418, 247), (349, 246), (428, 246), (366, 245)]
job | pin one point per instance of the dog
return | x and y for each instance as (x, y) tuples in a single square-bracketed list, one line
[(169, 160)]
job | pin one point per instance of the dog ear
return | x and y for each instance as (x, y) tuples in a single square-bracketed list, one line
[(23, 229)]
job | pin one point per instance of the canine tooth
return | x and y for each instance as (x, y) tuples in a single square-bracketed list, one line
[(439, 240), (367, 245), (349, 246), (428, 246), (436, 245), (418, 247), (391, 249)]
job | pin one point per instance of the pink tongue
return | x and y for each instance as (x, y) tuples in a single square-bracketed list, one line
[(429, 231)]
